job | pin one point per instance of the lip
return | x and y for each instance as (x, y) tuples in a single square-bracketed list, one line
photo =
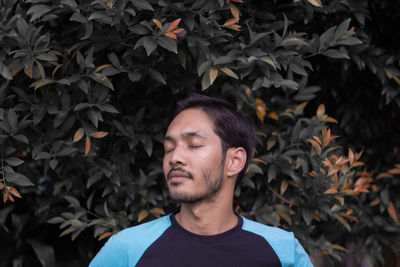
[(178, 178)]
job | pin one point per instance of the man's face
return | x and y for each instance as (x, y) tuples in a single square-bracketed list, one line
[(193, 162)]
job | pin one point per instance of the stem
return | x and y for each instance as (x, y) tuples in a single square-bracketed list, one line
[(47, 144), (291, 203)]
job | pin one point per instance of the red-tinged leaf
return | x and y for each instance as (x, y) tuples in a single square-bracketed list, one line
[(284, 186), (98, 134), (315, 3), (375, 202), (230, 22), (392, 211), (351, 156), (260, 160), (171, 35), (142, 215), (78, 135), (14, 191), (237, 1), (179, 30), (174, 24), (321, 111), (87, 145), (328, 163), (359, 154), (213, 72), (158, 23), (1, 186), (105, 235), (312, 173), (5, 197), (331, 190), (394, 171), (345, 184), (235, 12), (384, 175), (318, 140), (11, 198)]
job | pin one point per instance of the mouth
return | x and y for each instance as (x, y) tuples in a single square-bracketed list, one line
[(178, 175)]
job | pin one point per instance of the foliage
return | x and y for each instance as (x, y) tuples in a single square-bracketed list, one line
[(84, 90)]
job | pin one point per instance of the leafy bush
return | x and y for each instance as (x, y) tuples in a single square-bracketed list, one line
[(84, 90)]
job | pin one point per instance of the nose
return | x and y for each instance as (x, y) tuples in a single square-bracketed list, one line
[(177, 156)]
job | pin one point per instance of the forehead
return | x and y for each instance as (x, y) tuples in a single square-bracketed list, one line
[(191, 120)]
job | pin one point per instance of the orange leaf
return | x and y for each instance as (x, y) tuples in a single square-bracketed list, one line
[(392, 211), (157, 211), (316, 146), (173, 25), (87, 145), (315, 3), (384, 175), (234, 27), (213, 72), (102, 67), (284, 186), (105, 235), (394, 171), (318, 140), (273, 115), (14, 191), (170, 35), (260, 160), (158, 23), (301, 107), (230, 22), (5, 197), (11, 198), (235, 12), (321, 111), (330, 119), (98, 134), (237, 1), (142, 215), (78, 135), (340, 199), (179, 30)]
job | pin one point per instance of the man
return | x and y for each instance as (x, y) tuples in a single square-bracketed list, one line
[(208, 145)]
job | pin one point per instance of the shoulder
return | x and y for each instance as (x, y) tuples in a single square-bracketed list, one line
[(126, 247), (284, 243)]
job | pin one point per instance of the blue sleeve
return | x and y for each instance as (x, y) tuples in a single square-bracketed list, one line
[(112, 254), (302, 258)]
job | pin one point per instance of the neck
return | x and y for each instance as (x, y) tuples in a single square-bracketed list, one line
[(208, 218)]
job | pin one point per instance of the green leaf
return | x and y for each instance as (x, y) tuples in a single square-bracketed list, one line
[(73, 201), (4, 71), (333, 53), (308, 215), (168, 44), (13, 161), (12, 119), (293, 41), (142, 4), (149, 45), (22, 138), (18, 179), (44, 253), (37, 11), (156, 75)]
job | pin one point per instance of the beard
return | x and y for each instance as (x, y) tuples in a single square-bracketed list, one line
[(213, 186)]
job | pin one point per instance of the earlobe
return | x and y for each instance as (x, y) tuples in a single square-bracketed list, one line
[(236, 159)]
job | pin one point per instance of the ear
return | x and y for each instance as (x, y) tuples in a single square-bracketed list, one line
[(235, 161)]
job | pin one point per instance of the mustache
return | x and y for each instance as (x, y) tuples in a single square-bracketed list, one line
[(179, 169)]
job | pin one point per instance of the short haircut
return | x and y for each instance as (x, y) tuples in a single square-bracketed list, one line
[(234, 129)]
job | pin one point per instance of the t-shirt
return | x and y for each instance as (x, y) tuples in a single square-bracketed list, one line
[(163, 242)]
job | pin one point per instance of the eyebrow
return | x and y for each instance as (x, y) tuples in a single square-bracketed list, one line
[(186, 135)]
